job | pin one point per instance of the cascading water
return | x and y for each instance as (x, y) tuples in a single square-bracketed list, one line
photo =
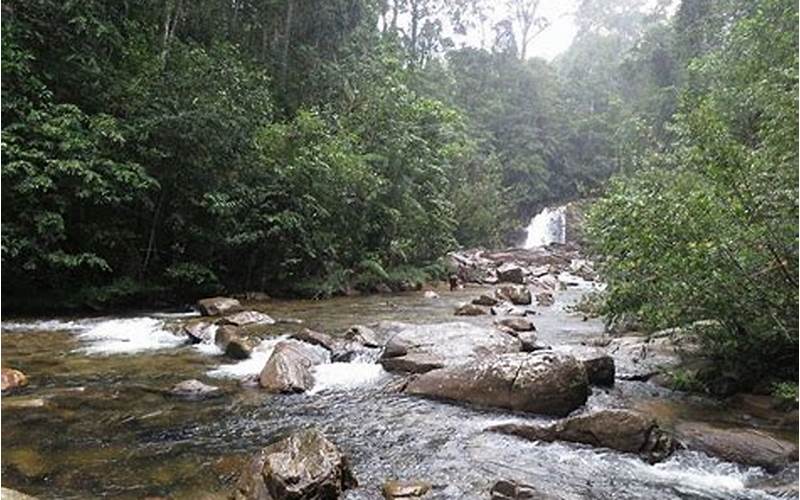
[(548, 226)]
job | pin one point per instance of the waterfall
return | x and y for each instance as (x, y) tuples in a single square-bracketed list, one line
[(548, 226)]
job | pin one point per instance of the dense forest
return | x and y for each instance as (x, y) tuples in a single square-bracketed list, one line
[(165, 149)]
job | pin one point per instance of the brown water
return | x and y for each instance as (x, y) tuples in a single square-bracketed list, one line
[(95, 422)]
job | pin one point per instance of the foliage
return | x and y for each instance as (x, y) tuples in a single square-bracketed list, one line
[(708, 231)]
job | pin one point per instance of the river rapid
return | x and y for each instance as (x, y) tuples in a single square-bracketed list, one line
[(95, 420)]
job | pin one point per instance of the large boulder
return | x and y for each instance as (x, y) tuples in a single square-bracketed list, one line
[(421, 348), (215, 306), (599, 364), (288, 369), (621, 430), (470, 310), (12, 379), (517, 295), (543, 382), (742, 445), (303, 466), (640, 358), (245, 318), (511, 273)]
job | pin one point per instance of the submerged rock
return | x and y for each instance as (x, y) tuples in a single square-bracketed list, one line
[(12, 379), (215, 306), (303, 466), (745, 446), (542, 382), (517, 295), (245, 318), (405, 489), (545, 299), (194, 389), (621, 430), (288, 369), (512, 490), (470, 310), (421, 348)]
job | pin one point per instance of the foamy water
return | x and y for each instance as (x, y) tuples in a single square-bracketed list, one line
[(251, 366), (128, 335), (548, 226), (345, 376)]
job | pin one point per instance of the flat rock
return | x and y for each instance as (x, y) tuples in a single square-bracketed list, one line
[(245, 318), (215, 306), (542, 382), (741, 445), (421, 348), (194, 389), (622, 430)]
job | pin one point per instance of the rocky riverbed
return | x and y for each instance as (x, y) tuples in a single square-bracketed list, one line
[(498, 389)]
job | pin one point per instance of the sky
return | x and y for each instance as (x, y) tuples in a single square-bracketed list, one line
[(558, 36)]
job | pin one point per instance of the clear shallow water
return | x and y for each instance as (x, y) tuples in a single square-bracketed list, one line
[(121, 436)]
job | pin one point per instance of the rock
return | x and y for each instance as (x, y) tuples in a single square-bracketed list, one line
[(303, 466), (245, 318), (199, 332), (542, 382), (470, 310), (421, 348), (742, 445), (511, 273), (11, 379), (27, 462), (512, 490), (231, 341), (340, 348), (430, 294), (288, 369), (783, 484), (382, 288), (216, 306), (9, 494), (517, 295), (194, 389), (405, 489), (637, 358), (545, 299), (517, 324), (622, 430), (599, 364), (366, 336), (490, 280), (485, 300)]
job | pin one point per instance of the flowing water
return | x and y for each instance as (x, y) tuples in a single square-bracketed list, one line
[(548, 226), (95, 421)]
